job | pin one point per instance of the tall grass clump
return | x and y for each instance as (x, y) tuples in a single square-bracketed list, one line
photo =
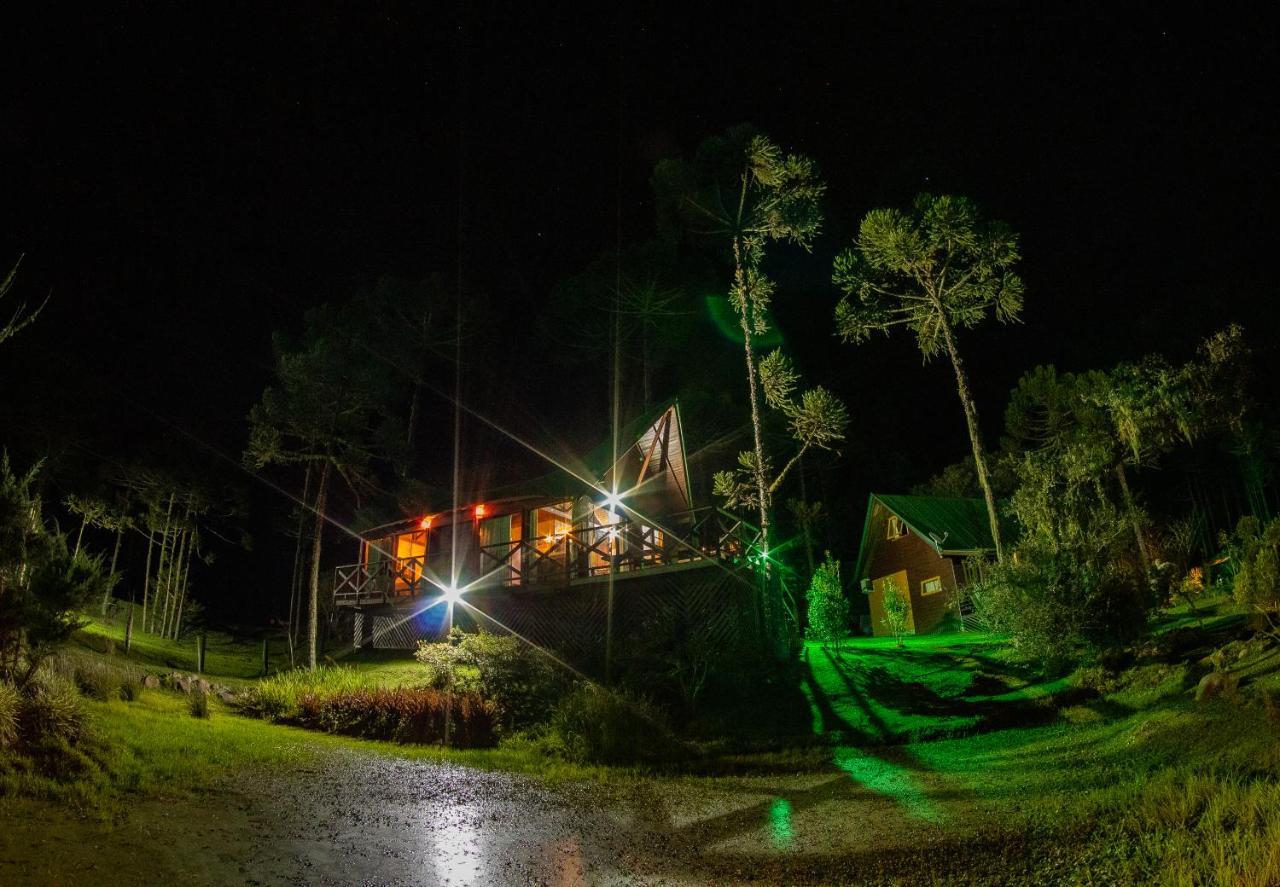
[(601, 726), (403, 714), (9, 704), (279, 697), (198, 703)]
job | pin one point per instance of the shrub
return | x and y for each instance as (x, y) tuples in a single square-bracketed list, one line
[(600, 726), (1055, 605), (1254, 550), (828, 607), (897, 609), (521, 681), (403, 714), (9, 704)]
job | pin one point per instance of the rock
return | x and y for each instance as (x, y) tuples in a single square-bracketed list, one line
[(1215, 684), (150, 681), (225, 695), (202, 685)]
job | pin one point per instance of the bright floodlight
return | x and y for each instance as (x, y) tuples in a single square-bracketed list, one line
[(612, 501), (452, 594)]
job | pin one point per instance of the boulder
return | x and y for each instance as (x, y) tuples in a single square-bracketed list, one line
[(150, 681)]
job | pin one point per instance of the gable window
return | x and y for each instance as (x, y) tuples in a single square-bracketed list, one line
[(897, 529), (931, 586)]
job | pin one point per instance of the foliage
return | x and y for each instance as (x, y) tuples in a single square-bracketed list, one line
[(828, 606), (279, 697), (404, 714), (1072, 582), (601, 726), (21, 317), (940, 267), (1254, 550), (42, 584), (897, 609), (521, 681)]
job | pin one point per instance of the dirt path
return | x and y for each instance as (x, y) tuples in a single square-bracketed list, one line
[(358, 818)]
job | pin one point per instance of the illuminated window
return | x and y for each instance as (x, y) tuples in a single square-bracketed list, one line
[(411, 553), (897, 529), (931, 586)]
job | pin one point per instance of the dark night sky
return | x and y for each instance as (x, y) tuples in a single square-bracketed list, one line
[(186, 183)]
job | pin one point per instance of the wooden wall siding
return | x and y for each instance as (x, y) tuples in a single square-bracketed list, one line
[(656, 611), (921, 562)]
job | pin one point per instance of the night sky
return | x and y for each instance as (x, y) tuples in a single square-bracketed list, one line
[(186, 183)]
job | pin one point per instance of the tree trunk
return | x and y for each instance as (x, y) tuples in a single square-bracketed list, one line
[(146, 575), (975, 433), (762, 491), (84, 520), (313, 604), (1131, 509), (768, 608), (115, 555), (182, 591), (806, 525), (295, 583), (164, 543), (171, 583)]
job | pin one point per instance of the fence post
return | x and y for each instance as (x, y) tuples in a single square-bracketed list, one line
[(266, 655), (200, 643), (128, 630)]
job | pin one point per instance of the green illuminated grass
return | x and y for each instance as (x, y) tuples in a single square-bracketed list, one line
[(870, 691)]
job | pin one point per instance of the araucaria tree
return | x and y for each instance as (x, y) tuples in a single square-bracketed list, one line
[(322, 414), (743, 193), (935, 269)]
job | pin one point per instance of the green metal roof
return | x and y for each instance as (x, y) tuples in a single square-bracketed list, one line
[(951, 526)]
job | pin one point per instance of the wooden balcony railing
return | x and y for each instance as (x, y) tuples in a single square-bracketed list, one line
[(578, 554)]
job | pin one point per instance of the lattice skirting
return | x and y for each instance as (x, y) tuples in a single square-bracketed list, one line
[(708, 605)]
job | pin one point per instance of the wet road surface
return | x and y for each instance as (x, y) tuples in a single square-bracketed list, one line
[(353, 818)]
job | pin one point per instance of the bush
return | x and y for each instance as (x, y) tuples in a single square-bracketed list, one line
[(828, 607), (97, 681), (403, 714), (1055, 606), (279, 697), (522, 681), (600, 726), (10, 701)]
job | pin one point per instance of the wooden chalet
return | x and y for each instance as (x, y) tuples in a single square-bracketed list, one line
[(537, 557), (922, 544)]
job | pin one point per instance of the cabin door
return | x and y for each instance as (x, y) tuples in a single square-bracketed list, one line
[(878, 588)]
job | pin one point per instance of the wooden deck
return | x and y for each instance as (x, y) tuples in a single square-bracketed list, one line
[(581, 556)]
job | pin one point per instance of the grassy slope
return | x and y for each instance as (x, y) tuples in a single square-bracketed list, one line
[(1137, 784)]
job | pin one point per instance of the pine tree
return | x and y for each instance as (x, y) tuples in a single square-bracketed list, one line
[(828, 606)]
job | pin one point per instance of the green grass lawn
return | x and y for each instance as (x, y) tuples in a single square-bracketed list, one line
[(1138, 783), (871, 691)]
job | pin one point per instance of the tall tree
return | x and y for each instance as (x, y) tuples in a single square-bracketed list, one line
[(743, 193), (935, 269), (324, 411)]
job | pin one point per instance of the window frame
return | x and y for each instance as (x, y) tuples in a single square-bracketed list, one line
[(924, 582), (895, 522)]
